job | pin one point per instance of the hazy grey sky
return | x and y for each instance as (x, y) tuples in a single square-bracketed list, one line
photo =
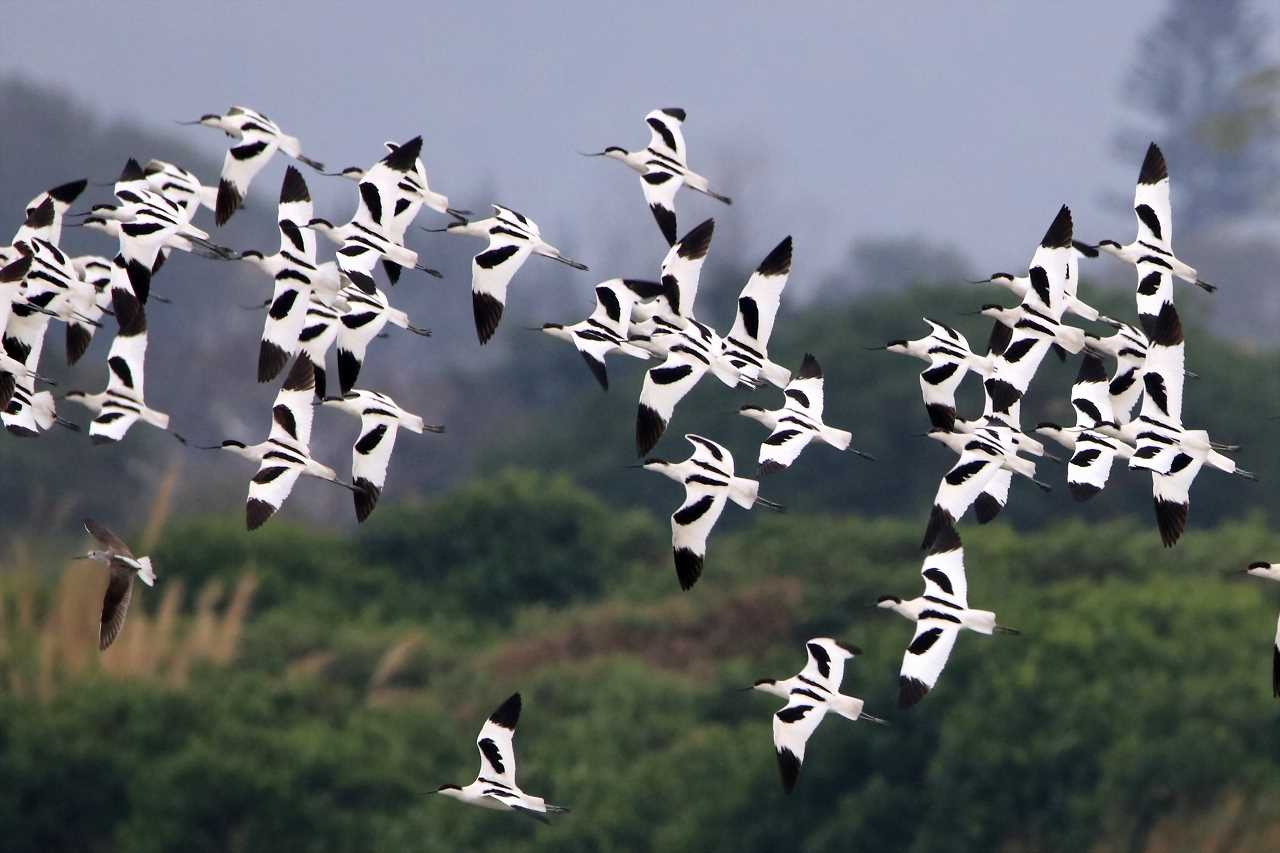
[(961, 122)]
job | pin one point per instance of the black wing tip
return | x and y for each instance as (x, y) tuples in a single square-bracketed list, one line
[(649, 429), (598, 369), (229, 201), (40, 216), (1092, 369), (688, 567), (16, 270), (666, 219), (99, 440), (1154, 168), (946, 538), (1082, 491), (810, 368), (986, 508), (1059, 234), (643, 288), (697, 242), (256, 513), (1172, 519), (770, 466), (348, 370), (366, 498), (302, 376), (403, 158), (294, 187), (941, 416), (939, 519), (271, 360), (70, 191), (78, 338), (508, 713), (1003, 395), (132, 171), (910, 691), (1166, 329), (488, 313), (778, 261), (789, 769), (675, 112)]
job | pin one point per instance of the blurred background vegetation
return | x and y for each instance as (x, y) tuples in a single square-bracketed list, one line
[(301, 688)]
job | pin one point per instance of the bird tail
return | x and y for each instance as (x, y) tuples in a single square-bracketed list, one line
[(208, 197), (416, 424), (846, 706), (146, 573), (743, 492), (1070, 338), (982, 621), (775, 374), (554, 809), (837, 438), (160, 420), (402, 255), (633, 350)]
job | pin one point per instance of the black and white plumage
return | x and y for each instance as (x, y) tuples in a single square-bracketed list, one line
[(1154, 212), (1128, 346), (95, 271), (940, 614), (663, 168), (709, 482), (1093, 447), (319, 332), (512, 237), (123, 566), (984, 453), (286, 453), (950, 358), (605, 331), (799, 422), (1271, 572), (363, 321), (380, 419), (495, 785), (810, 694), (260, 138), (747, 344), (122, 404), (292, 268), (1071, 304)]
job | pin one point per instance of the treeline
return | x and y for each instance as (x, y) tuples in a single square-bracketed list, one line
[(1134, 713)]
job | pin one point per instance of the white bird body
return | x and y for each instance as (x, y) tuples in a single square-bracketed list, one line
[(606, 330)]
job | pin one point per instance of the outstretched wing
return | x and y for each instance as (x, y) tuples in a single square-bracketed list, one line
[(1090, 465), (758, 303), (115, 606), (664, 386), (822, 665), (239, 167), (496, 743), (792, 727), (104, 537), (292, 413), (269, 489), (660, 185), (1090, 395), (925, 658), (704, 500), (1151, 200), (943, 569), (491, 273)]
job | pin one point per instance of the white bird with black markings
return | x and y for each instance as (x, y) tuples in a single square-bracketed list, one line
[(1270, 572), (122, 404), (291, 268), (1093, 446), (605, 331), (43, 217), (799, 422), (363, 321), (663, 167), (1154, 244), (260, 138), (747, 344), (1019, 285), (940, 614), (495, 786), (709, 483), (380, 419), (512, 237), (984, 452), (319, 332), (95, 271), (680, 274), (1128, 346), (286, 454), (810, 694), (950, 358), (123, 567)]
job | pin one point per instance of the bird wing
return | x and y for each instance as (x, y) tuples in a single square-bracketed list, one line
[(1151, 200), (1164, 372), (682, 268), (127, 356), (822, 666), (1048, 271), (594, 344), (1171, 494), (943, 569), (614, 302), (758, 303), (283, 324), (357, 327), (496, 743), (785, 443), (804, 393), (666, 385), (292, 412), (707, 453), (1154, 291), (1275, 664), (1090, 465), (1090, 395), (491, 273), (665, 135), (1014, 369), (372, 451), (947, 335), (704, 499), (115, 604), (660, 184), (239, 166), (104, 537), (994, 496), (939, 382), (292, 215), (960, 486), (925, 657), (792, 726), (269, 488)]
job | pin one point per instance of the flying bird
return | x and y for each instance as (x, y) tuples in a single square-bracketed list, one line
[(1093, 447), (747, 344), (810, 694), (260, 138), (663, 168), (123, 566), (950, 358), (380, 420), (799, 422), (122, 404), (1271, 572), (512, 237), (605, 331), (709, 482), (940, 614), (495, 785)]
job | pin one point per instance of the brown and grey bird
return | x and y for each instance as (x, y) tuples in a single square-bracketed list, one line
[(123, 566)]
